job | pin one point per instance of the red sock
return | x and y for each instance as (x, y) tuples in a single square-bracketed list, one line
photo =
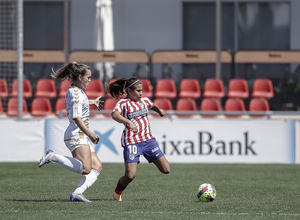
[(118, 191)]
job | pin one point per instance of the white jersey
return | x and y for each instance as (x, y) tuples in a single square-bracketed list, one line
[(77, 106)]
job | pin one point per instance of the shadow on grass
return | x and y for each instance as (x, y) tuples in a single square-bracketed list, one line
[(66, 200)]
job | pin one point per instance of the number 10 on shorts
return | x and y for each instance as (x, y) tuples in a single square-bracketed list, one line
[(132, 151)]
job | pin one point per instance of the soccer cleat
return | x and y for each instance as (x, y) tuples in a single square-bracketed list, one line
[(45, 159), (117, 197), (78, 198)]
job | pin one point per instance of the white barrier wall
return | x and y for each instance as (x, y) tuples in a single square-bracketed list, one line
[(196, 140), (182, 140), (21, 141)]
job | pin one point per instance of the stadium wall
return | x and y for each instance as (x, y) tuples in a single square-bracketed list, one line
[(182, 140)]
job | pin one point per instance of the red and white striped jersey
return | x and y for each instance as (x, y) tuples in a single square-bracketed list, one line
[(137, 112)]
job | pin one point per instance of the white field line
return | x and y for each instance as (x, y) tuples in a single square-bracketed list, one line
[(161, 212)]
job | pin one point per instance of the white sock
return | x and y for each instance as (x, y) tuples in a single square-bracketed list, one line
[(68, 162), (87, 181)]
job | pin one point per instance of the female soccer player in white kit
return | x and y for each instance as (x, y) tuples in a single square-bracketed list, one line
[(85, 161), (137, 139)]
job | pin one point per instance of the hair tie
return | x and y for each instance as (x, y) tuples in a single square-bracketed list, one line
[(74, 65)]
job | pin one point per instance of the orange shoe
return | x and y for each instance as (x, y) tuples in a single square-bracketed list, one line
[(117, 197)]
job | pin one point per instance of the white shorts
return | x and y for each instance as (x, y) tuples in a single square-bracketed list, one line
[(74, 143)]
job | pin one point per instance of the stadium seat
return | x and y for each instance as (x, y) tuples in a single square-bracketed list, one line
[(27, 90), (262, 88), (41, 107), (12, 107), (63, 87), (189, 88), (109, 105), (213, 88), (210, 104), (238, 88), (147, 88), (95, 89), (259, 104), (165, 88), (3, 88), (186, 104), (234, 105), (1, 107), (60, 105), (163, 103), (45, 88)]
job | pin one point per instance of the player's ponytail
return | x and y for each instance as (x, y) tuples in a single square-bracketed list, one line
[(71, 71), (116, 88)]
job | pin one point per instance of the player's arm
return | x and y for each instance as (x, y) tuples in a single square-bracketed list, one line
[(116, 115), (94, 137), (158, 110), (97, 103)]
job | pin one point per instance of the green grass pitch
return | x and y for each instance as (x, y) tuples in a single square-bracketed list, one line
[(244, 191)]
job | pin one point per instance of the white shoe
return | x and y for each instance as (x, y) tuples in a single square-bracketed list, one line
[(46, 159), (78, 198)]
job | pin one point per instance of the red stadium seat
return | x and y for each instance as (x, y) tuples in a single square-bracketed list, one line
[(3, 88), (259, 104), (210, 104), (147, 88), (213, 88), (234, 105), (63, 88), (186, 104), (45, 88), (189, 88), (60, 105), (238, 88), (163, 103), (1, 107), (109, 105), (95, 89), (12, 107), (27, 90), (262, 88), (165, 88), (41, 107)]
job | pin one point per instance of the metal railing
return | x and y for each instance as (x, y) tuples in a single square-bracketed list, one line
[(171, 113)]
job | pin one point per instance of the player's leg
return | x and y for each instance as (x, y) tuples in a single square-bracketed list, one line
[(130, 172), (70, 163), (153, 153), (83, 154), (87, 179), (163, 165)]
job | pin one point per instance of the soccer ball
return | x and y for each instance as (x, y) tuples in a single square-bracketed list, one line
[(206, 192)]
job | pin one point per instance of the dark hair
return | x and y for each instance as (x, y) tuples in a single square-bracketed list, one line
[(70, 71), (119, 87)]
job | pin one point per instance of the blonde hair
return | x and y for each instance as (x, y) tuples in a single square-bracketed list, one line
[(70, 71)]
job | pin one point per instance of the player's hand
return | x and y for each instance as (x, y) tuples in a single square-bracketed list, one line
[(133, 127), (99, 103), (162, 113), (94, 138)]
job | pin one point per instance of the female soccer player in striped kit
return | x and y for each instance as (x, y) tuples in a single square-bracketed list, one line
[(85, 161), (137, 139)]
